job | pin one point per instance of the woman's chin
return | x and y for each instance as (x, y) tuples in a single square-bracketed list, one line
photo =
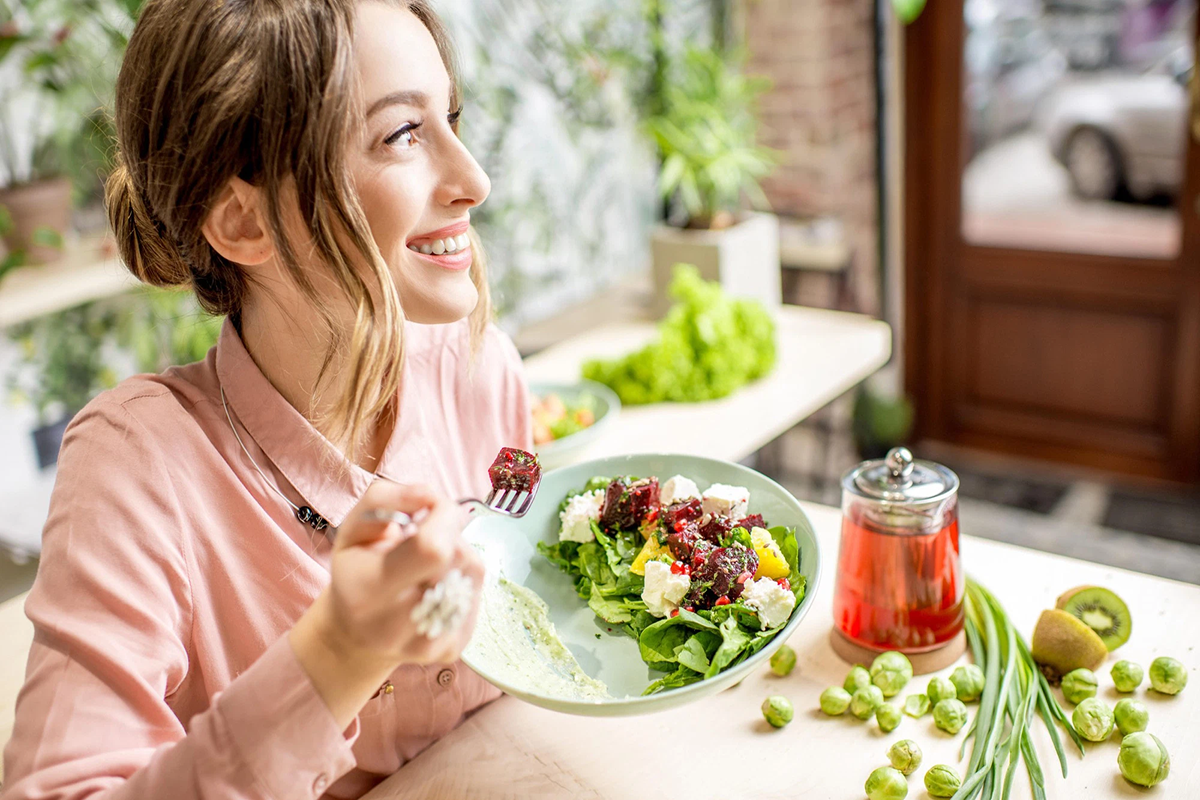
[(438, 305)]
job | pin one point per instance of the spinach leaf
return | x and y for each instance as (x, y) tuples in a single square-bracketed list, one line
[(610, 610), (592, 563), (659, 642), (786, 539), (739, 535), (563, 554), (680, 677), (692, 654), (733, 641)]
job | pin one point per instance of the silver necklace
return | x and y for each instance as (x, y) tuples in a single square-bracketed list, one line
[(303, 513)]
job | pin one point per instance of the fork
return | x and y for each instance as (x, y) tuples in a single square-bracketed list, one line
[(505, 502)]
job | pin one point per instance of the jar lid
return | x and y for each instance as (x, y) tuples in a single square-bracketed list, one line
[(899, 478)]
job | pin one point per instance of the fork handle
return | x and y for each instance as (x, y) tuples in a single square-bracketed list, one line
[(474, 503)]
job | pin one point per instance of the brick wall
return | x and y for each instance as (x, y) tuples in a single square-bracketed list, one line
[(821, 114)]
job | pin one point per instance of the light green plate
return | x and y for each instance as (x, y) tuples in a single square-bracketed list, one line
[(509, 548), (606, 405)]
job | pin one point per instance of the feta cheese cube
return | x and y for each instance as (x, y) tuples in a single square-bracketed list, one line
[(772, 602), (761, 539), (729, 501), (664, 589), (577, 517), (678, 489)]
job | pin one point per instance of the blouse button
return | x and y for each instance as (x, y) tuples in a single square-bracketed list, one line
[(388, 688), (320, 785), (445, 677)]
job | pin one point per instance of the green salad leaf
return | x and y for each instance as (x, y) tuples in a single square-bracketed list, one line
[(709, 345)]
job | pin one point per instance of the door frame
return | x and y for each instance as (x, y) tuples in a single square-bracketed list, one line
[(940, 266)]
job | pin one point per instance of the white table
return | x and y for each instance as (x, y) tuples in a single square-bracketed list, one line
[(514, 750), (821, 355)]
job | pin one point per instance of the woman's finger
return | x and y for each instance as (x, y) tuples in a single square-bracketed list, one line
[(369, 520)]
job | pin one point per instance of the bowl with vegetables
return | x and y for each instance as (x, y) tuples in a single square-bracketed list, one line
[(639, 583), (568, 417)]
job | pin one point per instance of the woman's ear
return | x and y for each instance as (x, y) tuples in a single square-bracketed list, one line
[(236, 226)]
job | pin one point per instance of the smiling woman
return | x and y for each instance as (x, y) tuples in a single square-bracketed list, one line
[(225, 605)]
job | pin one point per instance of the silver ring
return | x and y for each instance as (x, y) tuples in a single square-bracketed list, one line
[(387, 515), (444, 606)]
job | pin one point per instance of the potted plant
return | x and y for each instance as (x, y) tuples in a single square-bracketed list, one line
[(58, 61), (706, 132), (63, 366)]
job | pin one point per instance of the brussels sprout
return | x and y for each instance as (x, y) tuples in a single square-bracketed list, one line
[(891, 672), (834, 701), (857, 678), (778, 710), (1092, 719), (968, 682), (905, 756), (888, 716), (1079, 684), (950, 716), (864, 702), (1167, 675), (940, 689), (1131, 716), (917, 705), (942, 781), (1143, 759), (783, 661), (1126, 676), (886, 783)]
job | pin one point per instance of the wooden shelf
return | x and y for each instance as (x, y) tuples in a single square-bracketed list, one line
[(88, 270)]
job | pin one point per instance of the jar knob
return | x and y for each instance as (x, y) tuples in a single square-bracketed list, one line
[(900, 464)]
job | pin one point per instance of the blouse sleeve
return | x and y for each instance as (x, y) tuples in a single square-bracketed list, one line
[(112, 613)]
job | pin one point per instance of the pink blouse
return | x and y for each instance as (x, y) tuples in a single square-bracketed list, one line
[(171, 571)]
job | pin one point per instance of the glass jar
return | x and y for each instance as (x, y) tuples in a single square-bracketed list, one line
[(900, 581)]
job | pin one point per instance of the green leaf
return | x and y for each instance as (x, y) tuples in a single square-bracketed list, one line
[(46, 236), (14, 259), (6, 221), (674, 680), (610, 610), (908, 10), (733, 641), (692, 655)]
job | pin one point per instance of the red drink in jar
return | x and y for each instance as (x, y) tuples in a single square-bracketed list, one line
[(900, 579)]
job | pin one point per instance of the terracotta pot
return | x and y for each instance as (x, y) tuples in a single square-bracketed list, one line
[(34, 205)]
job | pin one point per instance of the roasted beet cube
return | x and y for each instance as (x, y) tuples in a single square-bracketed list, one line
[(751, 522), (682, 541), (515, 469), (715, 527), (678, 514), (701, 550), (720, 573), (626, 505)]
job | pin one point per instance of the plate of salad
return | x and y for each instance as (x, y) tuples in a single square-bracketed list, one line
[(567, 417), (639, 583)]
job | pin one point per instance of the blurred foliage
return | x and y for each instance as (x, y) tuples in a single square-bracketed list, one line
[(42, 235), (707, 136), (68, 357), (165, 327), (58, 66), (908, 10), (63, 359), (880, 422)]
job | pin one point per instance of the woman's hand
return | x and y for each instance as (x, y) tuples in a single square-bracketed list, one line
[(360, 628)]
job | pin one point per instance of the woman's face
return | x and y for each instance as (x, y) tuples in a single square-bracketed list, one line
[(415, 179)]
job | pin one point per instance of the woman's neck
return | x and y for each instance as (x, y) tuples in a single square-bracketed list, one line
[(290, 352)]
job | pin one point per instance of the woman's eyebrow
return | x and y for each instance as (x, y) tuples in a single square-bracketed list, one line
[(406, 97)]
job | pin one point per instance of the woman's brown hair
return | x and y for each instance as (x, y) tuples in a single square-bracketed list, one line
[(262, 90)]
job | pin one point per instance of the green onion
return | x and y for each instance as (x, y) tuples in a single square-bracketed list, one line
[(1015, 691)]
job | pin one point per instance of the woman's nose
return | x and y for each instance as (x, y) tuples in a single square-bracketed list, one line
[(463, 183)]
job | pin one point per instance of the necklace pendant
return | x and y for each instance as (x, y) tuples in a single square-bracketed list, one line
[(311, 518)]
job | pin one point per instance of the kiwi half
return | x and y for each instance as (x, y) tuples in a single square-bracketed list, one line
[(1061, 643), (1102, 611)]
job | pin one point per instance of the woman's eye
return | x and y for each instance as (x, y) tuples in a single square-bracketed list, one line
[(404, 136)]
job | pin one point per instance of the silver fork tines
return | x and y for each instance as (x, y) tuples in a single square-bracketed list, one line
[(508, 502)]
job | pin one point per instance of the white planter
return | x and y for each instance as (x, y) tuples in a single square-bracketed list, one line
[(744, 258)]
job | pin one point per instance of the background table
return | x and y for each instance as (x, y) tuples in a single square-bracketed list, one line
[(720, 747), (821, 355)]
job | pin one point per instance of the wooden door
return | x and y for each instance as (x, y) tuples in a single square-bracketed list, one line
[(1038, 321)]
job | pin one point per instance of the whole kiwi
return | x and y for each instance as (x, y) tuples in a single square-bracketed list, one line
[(1061, 643)]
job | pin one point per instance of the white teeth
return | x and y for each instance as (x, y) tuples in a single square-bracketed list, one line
[(463, 241), (414, 248), (427, 248), (439, 247), (451, 244)]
